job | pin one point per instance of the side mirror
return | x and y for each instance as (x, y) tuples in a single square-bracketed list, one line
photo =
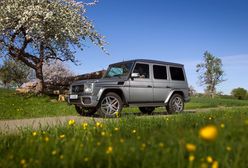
[(135, 75)]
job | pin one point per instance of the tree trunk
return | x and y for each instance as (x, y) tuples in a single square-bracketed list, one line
[(212, 91), (39, 76), (38, 71)]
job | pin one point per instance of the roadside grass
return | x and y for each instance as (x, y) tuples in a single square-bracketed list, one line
[(134, 142), (16, 106), (205, 102)]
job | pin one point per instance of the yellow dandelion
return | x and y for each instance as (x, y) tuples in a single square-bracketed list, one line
[(23, 162), (85, 126), (86, 159), (209, 159), (208, 133), (46, 139), (191, 158), (222, 125), (190, 147), (143, 146), (121, 140), (62, 136), (117, 114), (134, 131), (71, 122), (215, 164), (54, 152), (228, 148), (103, 133), (210, 118), (34, 133), (117, 129), (99, 125), (161, 145), (109, 150), (61, 157)]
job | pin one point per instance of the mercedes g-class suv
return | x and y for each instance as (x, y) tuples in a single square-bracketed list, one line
[(144, 83)]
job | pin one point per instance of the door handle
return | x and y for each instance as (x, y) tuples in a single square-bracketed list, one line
[(149, 86)]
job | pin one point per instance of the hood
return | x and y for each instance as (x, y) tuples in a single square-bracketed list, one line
[(113, 80)]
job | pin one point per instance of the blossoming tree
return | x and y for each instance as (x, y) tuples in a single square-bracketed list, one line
[(35, 31)]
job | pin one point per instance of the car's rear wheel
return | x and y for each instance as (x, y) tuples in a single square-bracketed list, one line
[(85, 111), (147, 110), (175, 104), (110, 105)]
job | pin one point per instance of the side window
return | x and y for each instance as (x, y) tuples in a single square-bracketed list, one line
[(142, 70), (159, 72), (176, 73)]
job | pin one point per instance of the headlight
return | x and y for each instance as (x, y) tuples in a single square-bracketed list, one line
[(88, 87)]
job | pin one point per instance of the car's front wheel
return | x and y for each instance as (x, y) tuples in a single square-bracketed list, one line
[(147, 110), (176, 104), (85, 111), (110, 105)]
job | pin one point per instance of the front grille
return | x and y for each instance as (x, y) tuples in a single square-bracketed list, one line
[(77, 89)]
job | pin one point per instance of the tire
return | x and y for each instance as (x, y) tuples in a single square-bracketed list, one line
[(110, 105), (147, 110), (85, 111), (175, 104)]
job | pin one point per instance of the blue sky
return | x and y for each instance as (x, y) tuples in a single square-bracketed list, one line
[(172, 30)]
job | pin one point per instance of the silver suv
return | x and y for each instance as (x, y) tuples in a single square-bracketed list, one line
[(144, 83)]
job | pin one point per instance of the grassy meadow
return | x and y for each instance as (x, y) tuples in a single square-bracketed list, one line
[(166, 141), (16, 106), (213, 139)]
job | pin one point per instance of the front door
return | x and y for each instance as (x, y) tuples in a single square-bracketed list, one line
[(141, 87)]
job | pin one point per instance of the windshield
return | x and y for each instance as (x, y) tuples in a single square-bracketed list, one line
[(119, 70)]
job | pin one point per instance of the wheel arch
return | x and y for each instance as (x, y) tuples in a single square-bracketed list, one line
[(172, 93), (114, 90)]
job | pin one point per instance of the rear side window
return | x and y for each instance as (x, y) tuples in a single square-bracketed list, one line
[(177, 73), (159, 72)]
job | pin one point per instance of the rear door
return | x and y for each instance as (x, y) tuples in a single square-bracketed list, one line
[(161, 83)]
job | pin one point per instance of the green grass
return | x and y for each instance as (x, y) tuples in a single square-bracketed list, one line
[(205, 102), (14, 106), (135, 142)]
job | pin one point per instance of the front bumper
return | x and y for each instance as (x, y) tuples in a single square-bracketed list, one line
[(83, 100)]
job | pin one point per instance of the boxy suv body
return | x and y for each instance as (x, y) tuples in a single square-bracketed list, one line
[(144, 83)]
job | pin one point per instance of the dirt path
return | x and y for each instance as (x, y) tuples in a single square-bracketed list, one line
[(16, 126)]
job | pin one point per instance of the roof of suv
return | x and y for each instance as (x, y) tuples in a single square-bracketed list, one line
[(151, 61)]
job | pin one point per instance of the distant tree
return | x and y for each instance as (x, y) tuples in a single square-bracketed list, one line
[(34, 31), (56, 71), (192, 91), (14, 72), (210, 73), (239, 93)]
